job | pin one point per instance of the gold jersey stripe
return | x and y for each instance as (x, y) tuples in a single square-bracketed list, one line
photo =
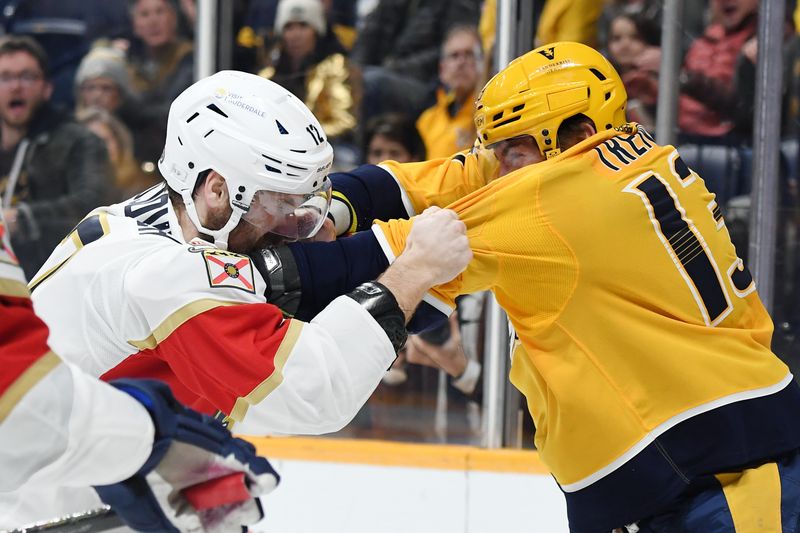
[(26, 381), (381, 453), (754, 497), (10, 287), (76, 240), (176, 320), (353, 218), (272, 382)]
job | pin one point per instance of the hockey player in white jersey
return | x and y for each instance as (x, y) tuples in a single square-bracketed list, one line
[(58, 425), (159, 287)]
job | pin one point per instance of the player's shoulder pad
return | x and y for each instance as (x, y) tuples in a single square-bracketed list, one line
[(196, 271)]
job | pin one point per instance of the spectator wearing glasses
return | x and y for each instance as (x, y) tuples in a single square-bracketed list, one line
[(398, 48), (52, 170), (447, 126)]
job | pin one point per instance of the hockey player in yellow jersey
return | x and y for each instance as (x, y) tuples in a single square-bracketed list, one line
[(644, 350)]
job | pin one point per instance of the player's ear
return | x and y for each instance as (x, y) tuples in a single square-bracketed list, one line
[(587, 129), (215, 190)]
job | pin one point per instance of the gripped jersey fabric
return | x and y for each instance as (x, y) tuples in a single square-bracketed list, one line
[(644, 350)]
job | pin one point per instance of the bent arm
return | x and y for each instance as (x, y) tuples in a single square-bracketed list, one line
[(332, 368), (390, 302), (401, 190), (226, 350), (56, 423), (70, 429)]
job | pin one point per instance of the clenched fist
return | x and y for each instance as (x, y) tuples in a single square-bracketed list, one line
[(438, 244)]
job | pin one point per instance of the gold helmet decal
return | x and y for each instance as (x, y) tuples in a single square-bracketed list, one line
[(548, 52)]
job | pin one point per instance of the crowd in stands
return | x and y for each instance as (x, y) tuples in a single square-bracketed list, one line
[(85, 88)]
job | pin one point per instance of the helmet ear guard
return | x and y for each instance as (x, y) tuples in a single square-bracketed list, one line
[(536, 92)]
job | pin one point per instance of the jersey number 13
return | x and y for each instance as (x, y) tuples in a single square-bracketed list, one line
[(687, 247)]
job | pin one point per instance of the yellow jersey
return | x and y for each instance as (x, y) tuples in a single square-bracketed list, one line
[(399, 190), (442, 181), (633, 311)]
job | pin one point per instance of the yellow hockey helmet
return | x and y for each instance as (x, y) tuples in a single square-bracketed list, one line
[(536, 92)]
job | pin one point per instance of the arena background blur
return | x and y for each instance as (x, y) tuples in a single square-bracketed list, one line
[(388, 79)]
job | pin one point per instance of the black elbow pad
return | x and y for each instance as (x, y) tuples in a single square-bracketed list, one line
[(382, 305), (279, 270)]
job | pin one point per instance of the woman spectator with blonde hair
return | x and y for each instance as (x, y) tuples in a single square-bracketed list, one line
[(129, 179), (161, 65)]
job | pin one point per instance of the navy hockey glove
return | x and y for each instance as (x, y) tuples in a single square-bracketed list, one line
[(189, 449)]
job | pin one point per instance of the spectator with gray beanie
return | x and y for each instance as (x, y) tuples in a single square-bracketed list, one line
[(102, 80), (102, 83), (310, 62)]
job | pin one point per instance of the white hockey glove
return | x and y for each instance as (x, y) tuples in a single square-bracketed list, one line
[(190, 449)]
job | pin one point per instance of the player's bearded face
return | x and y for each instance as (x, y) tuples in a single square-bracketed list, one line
[(515, 153), (275, 218), (245, 238)]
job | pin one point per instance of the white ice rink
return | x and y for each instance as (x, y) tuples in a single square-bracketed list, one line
[(448, 494)]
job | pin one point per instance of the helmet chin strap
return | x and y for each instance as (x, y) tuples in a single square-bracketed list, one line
[(221, 235), (552, 152)]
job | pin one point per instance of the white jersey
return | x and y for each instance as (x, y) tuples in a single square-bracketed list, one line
[(57, 425), (125, 295)]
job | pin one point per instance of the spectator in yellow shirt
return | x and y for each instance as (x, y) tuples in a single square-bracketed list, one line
[(569, 20), (447, 126)]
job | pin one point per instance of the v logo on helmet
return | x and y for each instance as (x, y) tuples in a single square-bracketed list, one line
[(549, 53)]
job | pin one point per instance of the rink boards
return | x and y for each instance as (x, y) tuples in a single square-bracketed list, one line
[(356, 486)]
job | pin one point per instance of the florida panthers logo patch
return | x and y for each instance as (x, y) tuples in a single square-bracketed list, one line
[(227, 269)]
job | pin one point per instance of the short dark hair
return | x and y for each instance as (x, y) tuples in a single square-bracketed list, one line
[(470, 29), (646, 29), (11, 44), (396, 127), (176, 197), (571, 130), (172, 3)]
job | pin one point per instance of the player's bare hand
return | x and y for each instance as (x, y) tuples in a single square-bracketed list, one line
[(327, 233), (438, 245)]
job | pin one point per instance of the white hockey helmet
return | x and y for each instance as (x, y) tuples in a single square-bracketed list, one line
[(259, 137)]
